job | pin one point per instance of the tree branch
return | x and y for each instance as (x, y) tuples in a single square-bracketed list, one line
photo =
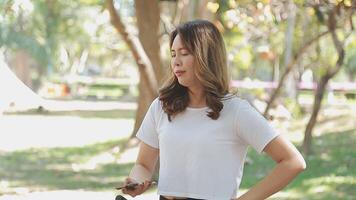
[(289, 67), (135, 46)]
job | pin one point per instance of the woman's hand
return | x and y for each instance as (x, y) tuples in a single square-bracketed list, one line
[(142, 171), (138, 189)]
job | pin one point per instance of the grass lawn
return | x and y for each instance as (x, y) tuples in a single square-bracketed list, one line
[(63, 168), (330, 174)]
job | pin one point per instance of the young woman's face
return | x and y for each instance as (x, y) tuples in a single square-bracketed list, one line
[(182, 63)]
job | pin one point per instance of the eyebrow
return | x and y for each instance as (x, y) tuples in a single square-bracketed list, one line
[(182, 48)]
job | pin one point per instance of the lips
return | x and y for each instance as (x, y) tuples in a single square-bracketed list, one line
[(179, 72)]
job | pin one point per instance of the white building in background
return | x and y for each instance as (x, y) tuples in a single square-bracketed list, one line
[(307, 76)]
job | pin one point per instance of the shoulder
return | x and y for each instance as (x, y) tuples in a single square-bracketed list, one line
[(235, 102), (239, 106), (156, 106), (155, 102)]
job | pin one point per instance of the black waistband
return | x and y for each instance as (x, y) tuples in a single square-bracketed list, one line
[(163, 198)]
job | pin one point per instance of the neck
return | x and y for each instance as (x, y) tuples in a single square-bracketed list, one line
[(196, 97)]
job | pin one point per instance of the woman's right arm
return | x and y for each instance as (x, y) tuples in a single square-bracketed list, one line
[(143, 169)]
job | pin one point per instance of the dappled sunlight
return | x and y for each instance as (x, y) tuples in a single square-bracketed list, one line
[(341, 124), (289, 194), (320, 189), (129, 156), (325, 157), (331, 119), (51, 169), (330, 180), (92, 163), (339, 186)]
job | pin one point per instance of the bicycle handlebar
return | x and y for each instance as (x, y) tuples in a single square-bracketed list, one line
[(120, 197)]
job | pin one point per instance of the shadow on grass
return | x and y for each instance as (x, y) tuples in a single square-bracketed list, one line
[(52, 168), (330, 173)]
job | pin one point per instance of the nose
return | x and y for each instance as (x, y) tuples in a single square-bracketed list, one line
[(176, 62)]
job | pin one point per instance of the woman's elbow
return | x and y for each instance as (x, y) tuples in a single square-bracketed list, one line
[(299, 164)]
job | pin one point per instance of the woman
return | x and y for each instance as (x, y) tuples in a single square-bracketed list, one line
[(200, 131)]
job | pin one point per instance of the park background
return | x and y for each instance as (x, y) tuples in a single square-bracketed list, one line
[(76, 78)]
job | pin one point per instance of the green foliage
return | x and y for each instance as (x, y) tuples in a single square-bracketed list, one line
[(243, 58), (350, 59), (17, 40), (44, 28), (241, 19), (293, 107), (58, 28)]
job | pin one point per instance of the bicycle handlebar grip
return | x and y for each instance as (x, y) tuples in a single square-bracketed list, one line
[(120, 197)]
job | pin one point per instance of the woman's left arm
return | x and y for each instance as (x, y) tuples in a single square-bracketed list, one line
[(289, 163)]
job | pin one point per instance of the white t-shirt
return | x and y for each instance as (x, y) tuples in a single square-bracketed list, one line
[(200, 157)]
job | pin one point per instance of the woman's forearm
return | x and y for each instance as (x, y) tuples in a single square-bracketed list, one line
[(140, 173), (277, 179)]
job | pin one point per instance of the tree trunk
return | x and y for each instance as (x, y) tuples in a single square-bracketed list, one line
[(144, 64), (143, 102), (146, 52), (202, 11), (289, 35), (187, 11), (148, 16), (275, 69), (331, 72), (191, 9), (20, 65), (319, 94)]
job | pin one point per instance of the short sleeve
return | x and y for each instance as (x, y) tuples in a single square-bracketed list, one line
[(147, 132), (252, 127)]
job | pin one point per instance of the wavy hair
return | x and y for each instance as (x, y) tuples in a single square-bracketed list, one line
[(204, 41)]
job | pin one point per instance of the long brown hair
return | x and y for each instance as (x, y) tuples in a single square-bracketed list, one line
[(204, 41)]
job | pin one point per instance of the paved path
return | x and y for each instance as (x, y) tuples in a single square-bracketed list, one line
[(20, 132)]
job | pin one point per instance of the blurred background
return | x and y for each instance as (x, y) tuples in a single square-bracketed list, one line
[(76, 78)]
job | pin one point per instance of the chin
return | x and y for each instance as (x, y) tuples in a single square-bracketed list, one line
[(183, 83)]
